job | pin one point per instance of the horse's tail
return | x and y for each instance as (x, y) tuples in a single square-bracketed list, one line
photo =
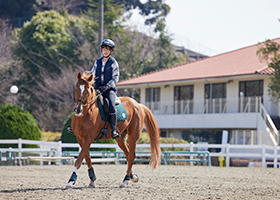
[(154, 134)]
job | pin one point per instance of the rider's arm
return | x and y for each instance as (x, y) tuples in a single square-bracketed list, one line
[(115, 75), (93, 72), (94, 68)]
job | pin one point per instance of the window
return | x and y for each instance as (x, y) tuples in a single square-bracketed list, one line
[(183, 92), (183, 99), (251, 88), (218, 90), (153, 98), (251, 95), (152, 94), (217, 103)]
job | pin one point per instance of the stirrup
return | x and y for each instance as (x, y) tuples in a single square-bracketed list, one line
[(70, 130)]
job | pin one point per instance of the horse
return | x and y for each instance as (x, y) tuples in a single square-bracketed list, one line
[(87, 124)]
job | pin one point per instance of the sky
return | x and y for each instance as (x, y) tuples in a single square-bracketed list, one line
[(213, 27)]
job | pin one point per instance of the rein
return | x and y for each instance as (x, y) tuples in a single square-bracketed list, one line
[(84, 103)]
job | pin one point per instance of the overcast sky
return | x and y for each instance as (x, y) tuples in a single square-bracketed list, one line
[(217, 26)]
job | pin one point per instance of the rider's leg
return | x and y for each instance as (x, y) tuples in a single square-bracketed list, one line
[(111, 96)]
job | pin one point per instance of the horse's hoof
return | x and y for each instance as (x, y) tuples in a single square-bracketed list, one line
[(91, 184), (70, 184), (124, 184), (135, 178)]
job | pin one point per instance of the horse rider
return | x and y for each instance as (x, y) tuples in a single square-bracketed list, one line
[(106, 70)]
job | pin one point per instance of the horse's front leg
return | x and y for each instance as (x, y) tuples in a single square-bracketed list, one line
[(85, 144)]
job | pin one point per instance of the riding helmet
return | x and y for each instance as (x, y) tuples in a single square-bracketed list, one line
[(109, 43)]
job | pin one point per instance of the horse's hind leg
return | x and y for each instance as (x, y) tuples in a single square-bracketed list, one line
[(132, 139), (91, 173)]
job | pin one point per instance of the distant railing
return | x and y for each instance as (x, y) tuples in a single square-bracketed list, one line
[(264, 152), (270, 124), (206, 106)]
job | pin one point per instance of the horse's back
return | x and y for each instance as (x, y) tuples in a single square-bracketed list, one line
[(131, 105)]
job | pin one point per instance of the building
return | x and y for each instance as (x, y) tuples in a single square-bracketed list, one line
[(224, 92)]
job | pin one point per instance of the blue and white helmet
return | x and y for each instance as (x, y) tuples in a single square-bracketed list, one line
[(109, 43)]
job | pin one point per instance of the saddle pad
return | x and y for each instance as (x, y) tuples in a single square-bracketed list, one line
[(121, 116)]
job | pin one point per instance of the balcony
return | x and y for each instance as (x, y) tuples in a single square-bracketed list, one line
[(242, 113), (218, 105)]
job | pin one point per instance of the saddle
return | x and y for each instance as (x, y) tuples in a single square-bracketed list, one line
[(103, 105), (104, 112)]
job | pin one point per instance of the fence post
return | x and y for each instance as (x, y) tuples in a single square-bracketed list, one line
[(19, 148), (191, 156), (227, 155), (263, 156), (59, 149), (275, 156)]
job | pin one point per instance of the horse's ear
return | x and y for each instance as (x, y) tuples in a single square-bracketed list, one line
[(90, 78), (79, 76)]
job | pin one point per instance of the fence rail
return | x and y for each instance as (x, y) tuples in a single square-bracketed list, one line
[(263, 152)]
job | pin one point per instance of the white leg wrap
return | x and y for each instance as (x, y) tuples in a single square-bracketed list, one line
[(124, 184), (91, 184), (70, 184)]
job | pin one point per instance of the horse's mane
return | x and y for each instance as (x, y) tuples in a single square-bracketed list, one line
[(86, 75)]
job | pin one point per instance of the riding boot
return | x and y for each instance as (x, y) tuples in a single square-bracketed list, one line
[(113, 122)]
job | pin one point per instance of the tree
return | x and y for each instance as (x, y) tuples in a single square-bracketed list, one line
[(269, 51), (53, 48), (10, 69), (51, 41), (153, 10)]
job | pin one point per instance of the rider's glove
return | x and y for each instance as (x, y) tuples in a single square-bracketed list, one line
[(103, 88)]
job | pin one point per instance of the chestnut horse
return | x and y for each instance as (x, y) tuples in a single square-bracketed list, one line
[(87, 124)]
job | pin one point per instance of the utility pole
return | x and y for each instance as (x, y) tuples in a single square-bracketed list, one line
[(100, 33)]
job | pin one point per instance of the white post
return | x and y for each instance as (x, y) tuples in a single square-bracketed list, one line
[(213, 106), (227, 155), (41, 162), (244, 137), (252, 137), (260, 138), (275, 156), (263, 156), (19, 149), (224, 140), (257, 102), (191, 156), (10, 155), (59, 149)]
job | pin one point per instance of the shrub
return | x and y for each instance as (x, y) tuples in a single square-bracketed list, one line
[(16, 123), (67, 137)]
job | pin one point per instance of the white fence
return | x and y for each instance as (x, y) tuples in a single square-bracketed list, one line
[(264, 152)]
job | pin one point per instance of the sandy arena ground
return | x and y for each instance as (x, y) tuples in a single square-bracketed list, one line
[(167, 182)]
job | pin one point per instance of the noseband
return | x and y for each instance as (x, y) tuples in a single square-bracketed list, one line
[(84, 103)]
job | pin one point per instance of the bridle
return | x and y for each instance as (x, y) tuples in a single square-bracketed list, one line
[(85, 103)]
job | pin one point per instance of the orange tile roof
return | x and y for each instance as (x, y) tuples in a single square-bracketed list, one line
[(242, 61)]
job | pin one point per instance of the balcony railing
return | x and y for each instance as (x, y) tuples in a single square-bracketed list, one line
[(217, 105)]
